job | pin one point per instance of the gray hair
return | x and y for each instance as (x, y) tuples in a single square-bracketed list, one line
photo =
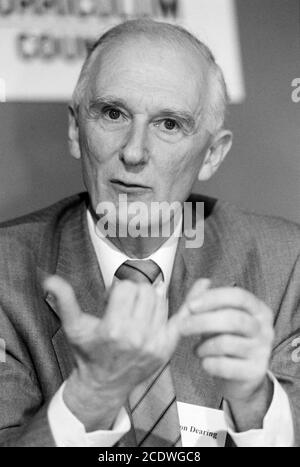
[(175, 35)]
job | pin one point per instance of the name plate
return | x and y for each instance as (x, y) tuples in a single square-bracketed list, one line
[(201, 426)]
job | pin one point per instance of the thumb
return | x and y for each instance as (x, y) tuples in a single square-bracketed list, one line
[(197, 289), (68, 307)]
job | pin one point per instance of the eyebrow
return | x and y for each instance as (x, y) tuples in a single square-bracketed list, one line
[(101, 101), (185, 117)]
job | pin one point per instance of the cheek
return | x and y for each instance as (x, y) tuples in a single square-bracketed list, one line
[(98, 145), (97, 150), (179, 164)]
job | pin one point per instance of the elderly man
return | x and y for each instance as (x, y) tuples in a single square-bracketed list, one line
[(108, 338)]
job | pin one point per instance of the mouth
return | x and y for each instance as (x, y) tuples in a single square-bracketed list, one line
[(129, 187)]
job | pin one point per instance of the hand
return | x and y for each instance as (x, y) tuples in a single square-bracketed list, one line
[(236, 335), (116, 353)]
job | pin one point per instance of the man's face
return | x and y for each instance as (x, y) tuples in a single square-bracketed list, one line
[(141, 123)]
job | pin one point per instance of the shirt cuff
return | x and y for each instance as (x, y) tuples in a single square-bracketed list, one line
[(277, 429), (68, 431)]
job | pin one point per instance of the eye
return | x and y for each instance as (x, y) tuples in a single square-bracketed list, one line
[(113, 114), (170, 124), (169, 129)]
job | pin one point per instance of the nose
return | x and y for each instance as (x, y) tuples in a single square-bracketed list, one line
[(134, 151)]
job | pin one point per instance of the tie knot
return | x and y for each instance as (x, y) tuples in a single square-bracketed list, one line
[(138, 271)]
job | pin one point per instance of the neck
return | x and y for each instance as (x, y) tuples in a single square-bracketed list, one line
[(138, 247)]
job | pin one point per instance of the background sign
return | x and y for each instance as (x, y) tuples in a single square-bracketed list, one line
[(43, 42)]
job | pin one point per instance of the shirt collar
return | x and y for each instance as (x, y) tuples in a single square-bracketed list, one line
[(110, 258)]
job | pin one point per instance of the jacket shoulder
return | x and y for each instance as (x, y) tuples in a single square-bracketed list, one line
[(234, 221), (24, 233), (267, 230), (266, 244)]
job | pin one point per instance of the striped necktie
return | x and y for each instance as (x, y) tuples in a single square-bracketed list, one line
[(153, 402)]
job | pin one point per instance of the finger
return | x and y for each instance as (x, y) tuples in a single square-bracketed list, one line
[(226, 345), (227, 321), (160, 315), (144, 305), (197, 289), (68, 307), (231, 368), (231, 297), (121, 300), (173, 332)]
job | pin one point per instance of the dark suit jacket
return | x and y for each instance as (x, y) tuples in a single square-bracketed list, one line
[(257, 253)]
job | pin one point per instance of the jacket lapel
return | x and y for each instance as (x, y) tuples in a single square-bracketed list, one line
[(192, 384), (76, 263)]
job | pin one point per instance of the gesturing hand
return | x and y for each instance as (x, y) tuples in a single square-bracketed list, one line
[(115, 353), (235, 338)]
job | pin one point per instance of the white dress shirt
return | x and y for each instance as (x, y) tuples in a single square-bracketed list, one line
[(68, 431)]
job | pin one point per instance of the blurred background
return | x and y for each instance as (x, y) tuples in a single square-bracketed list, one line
[(259, 50)]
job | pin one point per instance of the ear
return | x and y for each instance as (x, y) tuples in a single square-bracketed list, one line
[(215, 154), (73, 134)]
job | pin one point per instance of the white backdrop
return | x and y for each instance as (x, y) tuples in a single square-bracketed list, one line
[(42, 42)]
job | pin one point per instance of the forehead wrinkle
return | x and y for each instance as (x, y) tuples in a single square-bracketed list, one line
[(160, 49), (171, 44)]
